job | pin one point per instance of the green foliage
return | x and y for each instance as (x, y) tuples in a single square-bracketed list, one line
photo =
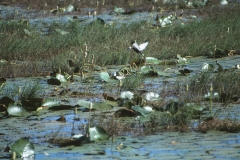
[(133, 82), (110, 43), (226, 84), (31, 90), (181, 118)]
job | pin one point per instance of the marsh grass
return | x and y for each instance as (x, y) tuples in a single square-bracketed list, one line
[(226, 84), (221, 125), (133, 82), (110, 44), (31, 90), (119, 126)]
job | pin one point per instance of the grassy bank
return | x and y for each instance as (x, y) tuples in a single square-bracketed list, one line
[(110, 45)]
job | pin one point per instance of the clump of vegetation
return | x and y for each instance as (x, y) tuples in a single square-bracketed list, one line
[(226, 84), (221, 125), (31, 90), (133, 82), (172, 120)]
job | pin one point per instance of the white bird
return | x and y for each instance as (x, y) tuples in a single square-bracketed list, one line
[(138, 48)]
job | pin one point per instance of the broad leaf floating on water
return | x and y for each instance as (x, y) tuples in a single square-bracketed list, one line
[(61, 78), (126, 95), (105, 76), (196, 107), (152, 60), (163, 74), (150, 70), (181, 60), (24, 148), (53, 104), (146, 69), (142, 110), (119, 10), (98, 134), (3, 61), (84, 103), (151, 96), (207, 67), (145, 118), (100, 106), (61, 32), (50, 102), (70, 8), (165, 21), (94, 134), (15, 110)]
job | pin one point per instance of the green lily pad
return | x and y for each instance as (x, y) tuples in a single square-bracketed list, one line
[(105, 76), (61, 78), (84, 103), (146, 69), (24, 148), (164, 74), (119, 10), (143, 119), (98, 134), (143, 111), (15, 110), (126, 95), (152, 60), (50, 103), (102, 106)]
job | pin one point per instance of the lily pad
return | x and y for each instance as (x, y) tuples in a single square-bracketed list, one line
[(98, 134), (102, 106), (146, 69), (127, 95), (105, 76), (151, 96), (152, 60), (119, 10), (50, 103), (160, 73), (84, 103), (143, 111), (16, 110), (24, 148), (61, 78)]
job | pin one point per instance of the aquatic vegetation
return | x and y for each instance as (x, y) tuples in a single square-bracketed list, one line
[(98, 100)]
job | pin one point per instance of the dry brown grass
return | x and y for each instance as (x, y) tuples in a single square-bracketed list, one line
[(220, 125)]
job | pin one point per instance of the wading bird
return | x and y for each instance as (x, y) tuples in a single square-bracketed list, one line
[(138, 48)]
